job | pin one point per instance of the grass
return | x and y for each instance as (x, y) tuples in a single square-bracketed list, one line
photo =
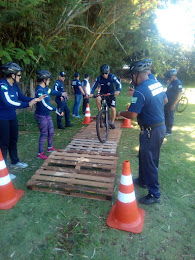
[(49, 226)]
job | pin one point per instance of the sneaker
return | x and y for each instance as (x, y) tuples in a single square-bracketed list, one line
[(139, 183), (78, 116), (12, 176), (149, 199), (42, 156), (112, 126), (167, 134), (50, 149), (61, 127), (70, 125), (19, 165)]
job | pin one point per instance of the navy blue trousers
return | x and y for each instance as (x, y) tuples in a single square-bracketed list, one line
[(9, 139), (169, 117), (149, 153), (62, 105)]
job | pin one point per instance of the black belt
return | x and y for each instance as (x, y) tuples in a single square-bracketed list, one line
[(152, 126)]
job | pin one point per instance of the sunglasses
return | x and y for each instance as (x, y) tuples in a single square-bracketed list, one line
[(104, 73), (19, 75)]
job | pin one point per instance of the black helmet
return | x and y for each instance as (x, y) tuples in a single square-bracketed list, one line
[(139, 66), (10, 68), (76, 74), (62, 74), (172, 72), (43, 74), (105, 68)]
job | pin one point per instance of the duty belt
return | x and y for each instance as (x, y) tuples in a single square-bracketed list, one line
[(152, 126)]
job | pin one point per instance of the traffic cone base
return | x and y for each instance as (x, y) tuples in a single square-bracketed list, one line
[(134, 227), (127, 123), (87, 119), (9, 204)]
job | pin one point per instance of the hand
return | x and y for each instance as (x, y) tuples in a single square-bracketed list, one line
[(42, 97), (64, 94), (172, 107), (87, 96), (116, 93), (91, 95), (61, 98), (131, 91), (58, 113), (33, 102), (118, 114)]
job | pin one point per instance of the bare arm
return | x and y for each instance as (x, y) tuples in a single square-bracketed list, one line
[(127, 114)]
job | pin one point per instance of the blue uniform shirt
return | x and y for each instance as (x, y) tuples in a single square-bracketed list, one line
[(172, 91), (11, 98), (76, 83), (151, 76), (44, 107), (58, 86), (148, 102), (107, 85)]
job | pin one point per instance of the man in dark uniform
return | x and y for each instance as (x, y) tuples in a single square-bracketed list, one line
[(107, 81), (174, 92), (78, 91), (147, 105), (61, 102)]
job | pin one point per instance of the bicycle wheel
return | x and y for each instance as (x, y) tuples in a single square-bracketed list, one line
[(183, 102), (102, 126)]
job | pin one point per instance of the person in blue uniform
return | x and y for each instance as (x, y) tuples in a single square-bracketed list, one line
[(42, 112), (147, 105), (174, 92), (87, 90), (61, 102), (78, 91), (107, 81), (11, 98)]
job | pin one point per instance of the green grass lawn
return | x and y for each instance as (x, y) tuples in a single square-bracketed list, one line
[(49, 226)]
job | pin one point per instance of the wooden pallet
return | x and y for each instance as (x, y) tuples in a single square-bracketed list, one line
[(92, 146), (83, 175)]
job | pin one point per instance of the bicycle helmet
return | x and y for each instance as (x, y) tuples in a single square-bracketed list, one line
[(10, 68), (104, 69), (139, 66), (149, 62), (76, 74), (62, 74), (172, 72), (43, 74)]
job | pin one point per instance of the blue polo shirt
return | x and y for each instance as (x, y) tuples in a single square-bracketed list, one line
[(75, 84), (107, 85), (44, 107), (172, 91), (11, 98), (58, 86), (148, 102)]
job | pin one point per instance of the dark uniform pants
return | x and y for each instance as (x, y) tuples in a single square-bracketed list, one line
[(169, 117), (62, 105), (149, 154), (85, 102), (9, 139)]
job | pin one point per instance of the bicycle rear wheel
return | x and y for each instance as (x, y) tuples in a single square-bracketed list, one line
[(183, 102), (102, 126)]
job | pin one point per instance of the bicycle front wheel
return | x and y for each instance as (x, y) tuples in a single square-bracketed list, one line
[(183, 102), (102, 126)]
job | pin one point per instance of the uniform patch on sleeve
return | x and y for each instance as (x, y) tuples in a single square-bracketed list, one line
[(3, 87), (134, 100), (180, 86), (49, 91), (40, 94)]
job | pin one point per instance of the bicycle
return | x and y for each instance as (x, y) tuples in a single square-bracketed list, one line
[(183, 102), (103, 120)]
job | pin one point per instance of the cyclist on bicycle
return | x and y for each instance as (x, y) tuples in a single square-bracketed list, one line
[(107, 81), (174, 92)]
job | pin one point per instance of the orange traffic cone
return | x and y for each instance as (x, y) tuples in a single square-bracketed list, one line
[(8, 195), (87, 119), (127, 122), (125, 215)]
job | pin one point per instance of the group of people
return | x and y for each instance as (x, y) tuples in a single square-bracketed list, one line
[(151, 105)]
